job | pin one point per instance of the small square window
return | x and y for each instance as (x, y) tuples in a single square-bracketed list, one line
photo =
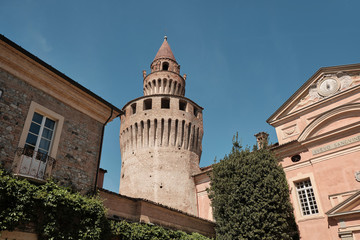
[(165, 103), (196, 111), (147, 104), (182, 105)]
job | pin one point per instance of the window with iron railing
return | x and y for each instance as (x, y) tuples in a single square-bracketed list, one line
[(35, 154)]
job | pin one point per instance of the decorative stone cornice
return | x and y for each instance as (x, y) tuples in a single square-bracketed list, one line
[(282, 114), (307, 137), (37, 73)]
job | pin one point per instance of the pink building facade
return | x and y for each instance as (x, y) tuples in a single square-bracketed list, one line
[(318, 131)]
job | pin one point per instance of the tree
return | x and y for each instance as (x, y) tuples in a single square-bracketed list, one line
[(250, 196)]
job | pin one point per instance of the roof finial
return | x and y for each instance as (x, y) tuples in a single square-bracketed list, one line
[(165, 37)]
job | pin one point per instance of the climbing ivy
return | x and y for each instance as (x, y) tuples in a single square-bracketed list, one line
[(56, 212), (16, 201)]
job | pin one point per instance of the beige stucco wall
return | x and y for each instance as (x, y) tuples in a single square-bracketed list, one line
[(202, 181)]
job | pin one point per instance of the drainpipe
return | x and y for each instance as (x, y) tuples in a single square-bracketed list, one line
[(101, 143)]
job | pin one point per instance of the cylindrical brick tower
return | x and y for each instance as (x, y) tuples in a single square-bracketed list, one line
[(160, 138)]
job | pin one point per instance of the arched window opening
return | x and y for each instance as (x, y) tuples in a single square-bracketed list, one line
[(165, 66)]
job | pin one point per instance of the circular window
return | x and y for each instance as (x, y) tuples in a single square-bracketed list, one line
[(296, 158)]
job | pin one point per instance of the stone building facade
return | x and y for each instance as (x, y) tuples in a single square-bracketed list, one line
[(50, 125), (160, 138)]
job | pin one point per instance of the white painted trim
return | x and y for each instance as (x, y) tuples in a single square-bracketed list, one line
[(326, 157), (297, 209)]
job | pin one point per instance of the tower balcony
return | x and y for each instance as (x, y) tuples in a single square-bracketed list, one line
[(164, 82)]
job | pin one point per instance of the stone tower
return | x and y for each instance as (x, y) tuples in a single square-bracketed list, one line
[(160, 138)]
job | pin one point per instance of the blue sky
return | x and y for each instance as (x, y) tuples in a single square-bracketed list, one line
[(243, 59)]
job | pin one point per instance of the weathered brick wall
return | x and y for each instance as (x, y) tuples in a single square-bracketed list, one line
[(140, 210), (77, 155)]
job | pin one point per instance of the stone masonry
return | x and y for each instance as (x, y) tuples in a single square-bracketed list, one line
[(77, 155), (160, 138)]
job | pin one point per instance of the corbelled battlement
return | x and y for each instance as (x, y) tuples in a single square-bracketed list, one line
[(161, 121), (160, 138), (164, 82)]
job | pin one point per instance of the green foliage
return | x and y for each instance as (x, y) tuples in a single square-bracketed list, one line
[(58, 213), (123, 230), (68, 215), (16, 201), (250, 197)]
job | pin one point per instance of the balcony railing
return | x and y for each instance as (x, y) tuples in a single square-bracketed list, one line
[(34, 164)]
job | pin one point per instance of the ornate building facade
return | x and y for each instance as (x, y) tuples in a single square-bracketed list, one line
[(318, 130)]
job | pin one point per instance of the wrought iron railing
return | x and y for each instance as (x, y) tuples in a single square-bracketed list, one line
[(33, 163)]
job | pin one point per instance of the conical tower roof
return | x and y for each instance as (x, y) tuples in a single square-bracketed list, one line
[(165, 51)]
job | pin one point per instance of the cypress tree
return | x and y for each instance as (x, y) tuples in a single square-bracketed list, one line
[(250, 196)]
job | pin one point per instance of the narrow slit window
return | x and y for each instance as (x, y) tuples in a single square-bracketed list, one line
[(133, 108)]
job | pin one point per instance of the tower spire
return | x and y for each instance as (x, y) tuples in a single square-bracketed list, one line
[(165, 51), (160, 138)]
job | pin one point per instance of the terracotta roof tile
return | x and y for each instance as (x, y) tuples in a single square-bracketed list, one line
[(165, 51)]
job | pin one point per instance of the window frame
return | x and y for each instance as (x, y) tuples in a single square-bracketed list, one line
[(295, 200), (59, 122), (165, 103), (39, 136), (133, 108), (183, 105), (303, 194), (147, 104)]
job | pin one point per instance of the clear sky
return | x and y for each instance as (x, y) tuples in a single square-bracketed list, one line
[(243, 59)]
